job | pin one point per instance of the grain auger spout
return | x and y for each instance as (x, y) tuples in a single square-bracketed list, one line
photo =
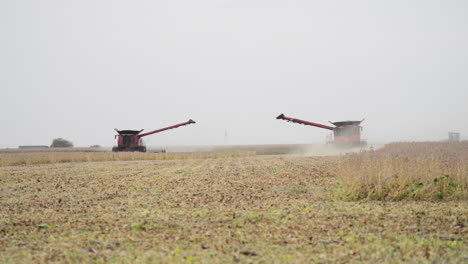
[(303, 122), (167, 128), (131, 140), (345, 133)]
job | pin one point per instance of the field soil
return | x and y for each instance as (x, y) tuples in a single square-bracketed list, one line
[(251, 209)]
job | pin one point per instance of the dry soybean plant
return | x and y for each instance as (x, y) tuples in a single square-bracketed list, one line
[(405, 171)]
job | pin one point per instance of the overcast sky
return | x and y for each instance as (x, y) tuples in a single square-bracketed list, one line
[(79, 69)]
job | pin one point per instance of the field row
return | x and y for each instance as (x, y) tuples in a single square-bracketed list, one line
[(50, 157)]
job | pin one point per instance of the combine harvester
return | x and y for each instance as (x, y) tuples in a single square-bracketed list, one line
[(131, 140), (345, 133)]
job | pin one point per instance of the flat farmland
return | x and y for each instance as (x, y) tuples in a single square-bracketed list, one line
[(216, 209)]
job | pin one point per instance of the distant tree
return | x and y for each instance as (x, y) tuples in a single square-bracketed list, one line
[(95, 146), (61, 143)]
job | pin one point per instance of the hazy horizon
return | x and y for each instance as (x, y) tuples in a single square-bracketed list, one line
[(79, 69)]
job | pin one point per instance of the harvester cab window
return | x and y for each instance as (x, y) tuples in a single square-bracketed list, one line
[(346, 131), (342, 131), (127, 140)]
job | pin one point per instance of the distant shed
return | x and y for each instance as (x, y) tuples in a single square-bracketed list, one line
[(453, 137)]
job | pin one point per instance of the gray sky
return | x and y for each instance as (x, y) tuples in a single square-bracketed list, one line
[(79, 69)]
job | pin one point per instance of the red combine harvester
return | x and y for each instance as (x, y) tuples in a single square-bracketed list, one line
[(131, 140), (345, 133)]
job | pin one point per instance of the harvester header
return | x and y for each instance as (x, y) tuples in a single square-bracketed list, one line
[(345, 133)]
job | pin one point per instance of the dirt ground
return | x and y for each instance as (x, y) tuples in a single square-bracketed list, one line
[(259, 209)]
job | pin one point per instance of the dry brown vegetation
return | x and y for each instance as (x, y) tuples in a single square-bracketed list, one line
[(405, 171), (50, 157), (46, 150), (261, 209)]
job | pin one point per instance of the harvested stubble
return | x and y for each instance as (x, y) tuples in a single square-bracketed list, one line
[(405, 171), (246, 209), (31, 158)]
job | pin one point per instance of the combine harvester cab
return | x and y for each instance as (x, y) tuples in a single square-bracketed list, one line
[(345, 133), (131, 140)]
